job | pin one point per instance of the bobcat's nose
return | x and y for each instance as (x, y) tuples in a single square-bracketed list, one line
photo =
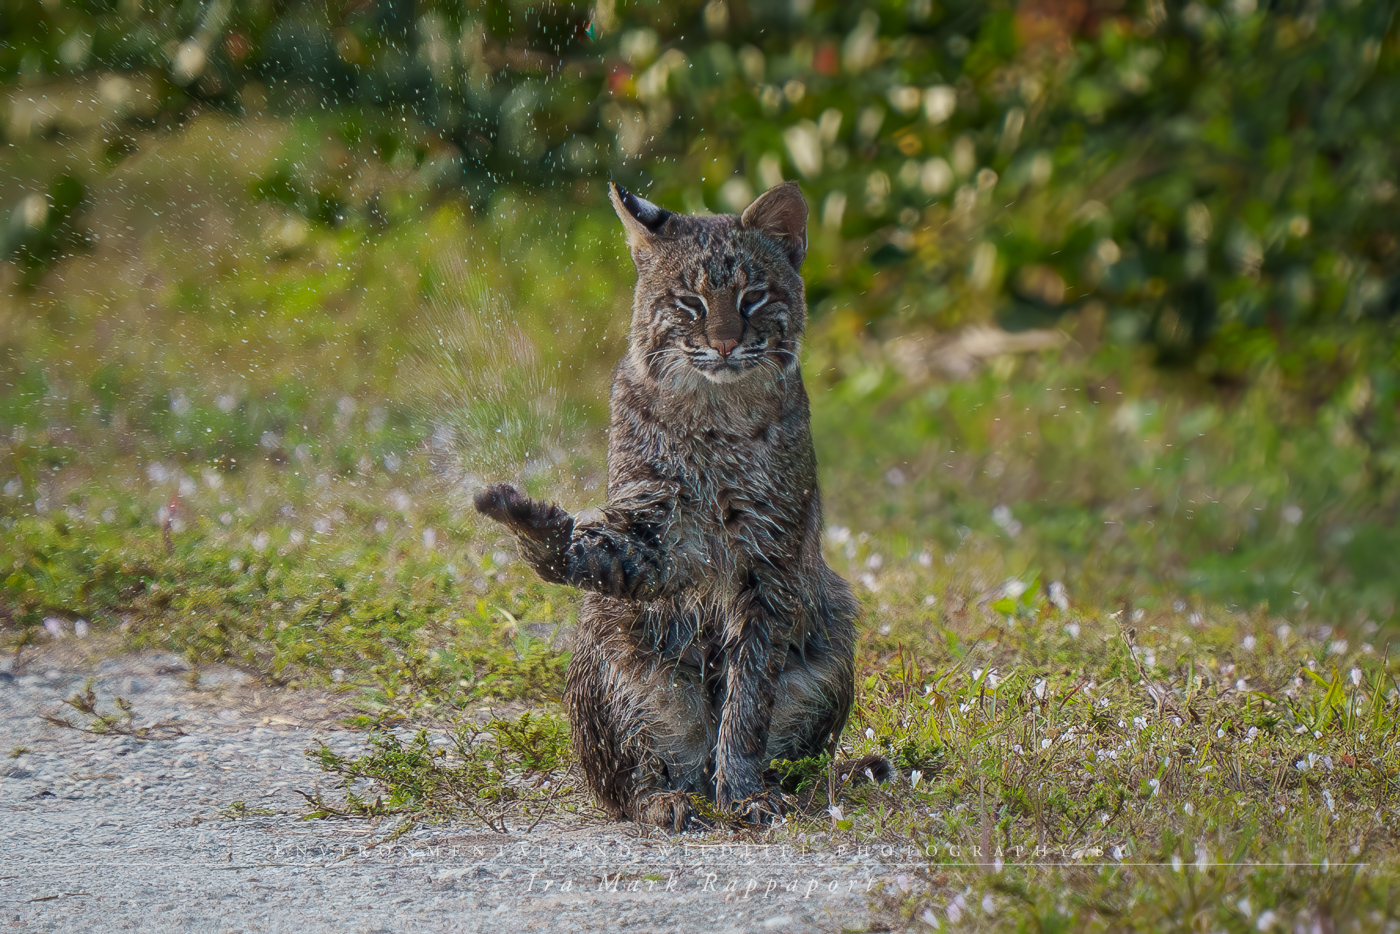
[(725, 348)]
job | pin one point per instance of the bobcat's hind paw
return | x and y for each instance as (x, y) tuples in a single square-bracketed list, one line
[(669, 810), (765, 807)]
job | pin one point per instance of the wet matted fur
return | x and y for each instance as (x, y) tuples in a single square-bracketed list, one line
[(713, 637)]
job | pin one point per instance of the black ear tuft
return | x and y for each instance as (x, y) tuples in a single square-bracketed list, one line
[(642, 220), (649, 215)]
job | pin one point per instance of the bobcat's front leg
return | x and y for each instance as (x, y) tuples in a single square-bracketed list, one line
[(621, 557), (543, 529), (752, 666)]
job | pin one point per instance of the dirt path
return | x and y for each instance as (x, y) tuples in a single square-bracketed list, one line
[(114, 833)]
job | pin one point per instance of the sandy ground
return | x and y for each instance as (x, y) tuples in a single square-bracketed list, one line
[(115, 833)]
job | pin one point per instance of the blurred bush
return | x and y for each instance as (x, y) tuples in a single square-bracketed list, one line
[(1206, 177)]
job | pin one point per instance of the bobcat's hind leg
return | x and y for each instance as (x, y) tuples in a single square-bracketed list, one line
[(813, 701), (641, 726)]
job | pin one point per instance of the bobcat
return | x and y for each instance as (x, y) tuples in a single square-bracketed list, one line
[(713, 637)]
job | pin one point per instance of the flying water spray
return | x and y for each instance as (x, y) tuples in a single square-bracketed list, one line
[(495, 398)]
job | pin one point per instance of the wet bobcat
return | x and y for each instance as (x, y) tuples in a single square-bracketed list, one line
[(713, 637)]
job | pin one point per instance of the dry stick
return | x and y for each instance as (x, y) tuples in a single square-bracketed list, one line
[(831, 776), (986, 841), (1157, 693), (545, 808), (408, 824), (166, 520)]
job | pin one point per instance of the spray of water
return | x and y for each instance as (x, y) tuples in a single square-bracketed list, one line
[(494, 395)]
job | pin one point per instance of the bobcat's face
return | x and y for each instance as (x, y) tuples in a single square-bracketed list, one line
[(717, 297), (723, 315)]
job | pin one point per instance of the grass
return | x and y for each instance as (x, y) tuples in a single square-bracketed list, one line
[(1124, 632)]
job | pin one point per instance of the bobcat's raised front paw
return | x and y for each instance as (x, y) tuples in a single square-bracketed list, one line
[(543, 529), (504, 503), (616, 565), (543, 522)]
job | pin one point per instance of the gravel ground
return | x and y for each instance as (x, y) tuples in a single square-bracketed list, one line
[(114, 833)]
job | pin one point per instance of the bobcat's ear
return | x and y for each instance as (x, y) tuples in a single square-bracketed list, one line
[(781, 213), (641, 219)]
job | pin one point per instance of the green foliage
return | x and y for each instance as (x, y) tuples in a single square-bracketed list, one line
[(1213, 178), (801, 775), (473, 773)]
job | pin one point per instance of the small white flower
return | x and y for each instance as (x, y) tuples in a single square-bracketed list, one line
[(1156, 787), (915, 777), (1327, 797), (989, 906), (80, 629), (835, 812), (1266, 920), (1248, 643), (869, 733), (1189, 808), (1045, 744), (1219, 734), (1039, 688), (1245, 907), (1356, 676), (929, 918), (1176, 863)]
